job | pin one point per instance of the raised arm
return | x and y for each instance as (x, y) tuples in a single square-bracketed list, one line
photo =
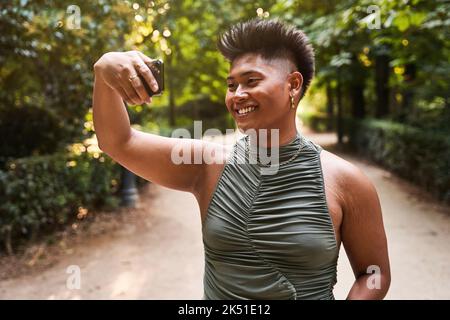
[(147, 155)]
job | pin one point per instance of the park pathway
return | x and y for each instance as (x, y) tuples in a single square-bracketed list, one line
[(161, 257)]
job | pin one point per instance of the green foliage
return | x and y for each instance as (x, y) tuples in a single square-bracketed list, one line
[(46, 62), (433, 116), (212, 114), (40, 194), (27, 130), (417, 155), (317, 121), (46, 80)]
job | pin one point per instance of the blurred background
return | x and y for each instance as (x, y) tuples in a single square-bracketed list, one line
[(380, 98)]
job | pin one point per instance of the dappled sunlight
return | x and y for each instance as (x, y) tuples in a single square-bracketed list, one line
[(128, 284), (365, 80)]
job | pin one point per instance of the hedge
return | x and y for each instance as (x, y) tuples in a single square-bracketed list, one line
[(318, 122), (420, 156), (41, 193)]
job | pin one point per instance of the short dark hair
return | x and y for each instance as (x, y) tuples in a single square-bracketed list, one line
[(271, 39)]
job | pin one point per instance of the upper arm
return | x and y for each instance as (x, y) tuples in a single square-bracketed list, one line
[(362, 230), (169, 162)]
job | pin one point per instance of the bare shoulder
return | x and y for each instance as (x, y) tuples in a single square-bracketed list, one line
[(336, 163), (353, 187), (216, 155)]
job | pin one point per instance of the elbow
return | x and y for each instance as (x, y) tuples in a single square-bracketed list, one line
[(370, 287), (102, 148), (385, 280), (111, 152), (386, 284), (382, 289), (107, 149), (113, 149), (102, 145)]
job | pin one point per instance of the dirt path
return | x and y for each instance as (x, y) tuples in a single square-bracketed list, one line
[(161, 256)]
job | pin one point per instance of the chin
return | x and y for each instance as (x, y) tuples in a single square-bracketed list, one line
[(244, 126)]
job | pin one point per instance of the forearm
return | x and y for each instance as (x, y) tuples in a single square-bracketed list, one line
[(111, 121), (362, 290)]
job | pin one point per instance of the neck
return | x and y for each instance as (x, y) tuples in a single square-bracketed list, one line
[(285, 136)]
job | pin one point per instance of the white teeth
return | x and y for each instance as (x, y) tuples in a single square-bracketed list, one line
[(246, 110)]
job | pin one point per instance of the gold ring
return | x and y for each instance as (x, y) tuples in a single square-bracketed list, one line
[(131, 78)]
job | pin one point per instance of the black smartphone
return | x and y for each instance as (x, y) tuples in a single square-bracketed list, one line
[(157, 69)]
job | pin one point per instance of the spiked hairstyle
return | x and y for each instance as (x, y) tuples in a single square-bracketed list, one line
[(272, 39)]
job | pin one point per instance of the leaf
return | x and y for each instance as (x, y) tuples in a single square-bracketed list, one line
[(401, 21), (341, 59), (418, 18)]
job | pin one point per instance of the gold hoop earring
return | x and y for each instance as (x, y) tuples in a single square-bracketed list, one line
[(292, 102)]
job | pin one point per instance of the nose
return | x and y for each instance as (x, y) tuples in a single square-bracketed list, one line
[(240, 94)]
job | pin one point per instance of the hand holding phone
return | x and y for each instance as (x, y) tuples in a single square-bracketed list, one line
[(127, 73), (157, 69)]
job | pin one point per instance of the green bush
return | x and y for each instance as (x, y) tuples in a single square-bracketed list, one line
[(212, 114), (318, 122), (418, 155), (27, 131), (40, 194)]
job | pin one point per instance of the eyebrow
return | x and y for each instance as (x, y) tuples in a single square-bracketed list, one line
[(244, 74)]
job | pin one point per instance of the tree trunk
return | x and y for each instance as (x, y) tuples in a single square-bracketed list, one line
[(358, 102), (408, 94), (340, 129), (8, 242), (382, 85), (330, 108)]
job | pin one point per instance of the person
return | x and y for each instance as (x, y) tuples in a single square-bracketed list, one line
[(266, 235)]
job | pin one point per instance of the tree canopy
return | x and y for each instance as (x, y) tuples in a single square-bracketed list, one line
[(382, 58)]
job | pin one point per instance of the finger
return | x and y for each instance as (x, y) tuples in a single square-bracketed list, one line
[(147, 60), (132, 94), (146, 72), (121, 91), (137, 84), (125, 85), (124, 94)]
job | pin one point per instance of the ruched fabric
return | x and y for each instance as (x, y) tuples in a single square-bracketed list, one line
[(270, 236)]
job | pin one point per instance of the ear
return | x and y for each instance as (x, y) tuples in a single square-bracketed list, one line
[(295, 83)]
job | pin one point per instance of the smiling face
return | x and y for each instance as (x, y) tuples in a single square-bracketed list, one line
[(258, 93)]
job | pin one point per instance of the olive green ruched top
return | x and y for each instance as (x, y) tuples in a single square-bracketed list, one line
[(270, 236)]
